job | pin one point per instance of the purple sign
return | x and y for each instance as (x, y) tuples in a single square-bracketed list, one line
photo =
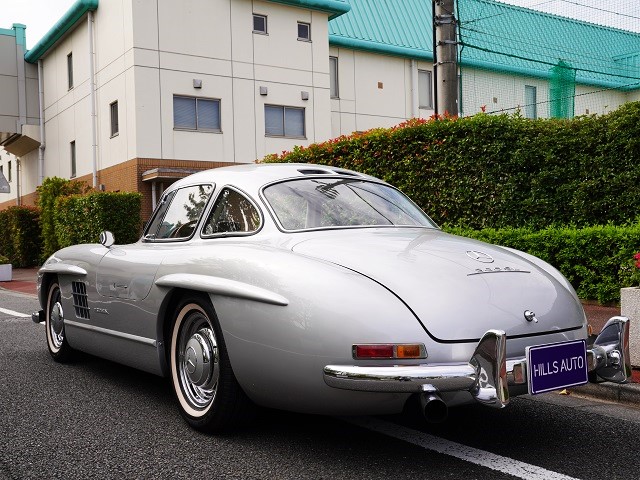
[(556, 366)]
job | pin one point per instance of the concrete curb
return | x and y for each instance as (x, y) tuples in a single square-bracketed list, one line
[(628, 394)]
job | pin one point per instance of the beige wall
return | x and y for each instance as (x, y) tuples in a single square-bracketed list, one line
[(362, 104)]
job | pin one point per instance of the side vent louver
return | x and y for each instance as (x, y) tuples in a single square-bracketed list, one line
[(80, 303)]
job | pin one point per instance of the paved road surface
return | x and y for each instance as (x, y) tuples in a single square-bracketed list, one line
[(97, 419)]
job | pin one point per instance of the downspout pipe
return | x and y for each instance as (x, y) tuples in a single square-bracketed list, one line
[(94, 145), (41, 107), (18, 199)]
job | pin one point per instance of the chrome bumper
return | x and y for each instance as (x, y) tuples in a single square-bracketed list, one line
[(488, 374)]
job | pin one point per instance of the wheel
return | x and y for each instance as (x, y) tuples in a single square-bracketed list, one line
[(54, 324), (208, 393)]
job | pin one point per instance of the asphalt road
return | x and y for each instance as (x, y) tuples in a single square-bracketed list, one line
[(97, 419)]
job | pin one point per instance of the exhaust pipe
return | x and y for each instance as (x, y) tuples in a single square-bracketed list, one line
[(433, 408)]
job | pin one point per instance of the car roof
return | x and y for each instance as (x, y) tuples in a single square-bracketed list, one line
[(254, 176)]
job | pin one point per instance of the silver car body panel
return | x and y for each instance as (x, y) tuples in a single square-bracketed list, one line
[(291, 304)]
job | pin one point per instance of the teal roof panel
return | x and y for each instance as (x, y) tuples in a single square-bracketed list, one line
[(497, 37)]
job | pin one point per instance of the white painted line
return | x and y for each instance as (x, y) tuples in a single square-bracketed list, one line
[(468, 454), (14, 314)]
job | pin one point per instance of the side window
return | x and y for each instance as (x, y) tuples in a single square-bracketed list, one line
[(161, 209), (181, 215), (232, 213)]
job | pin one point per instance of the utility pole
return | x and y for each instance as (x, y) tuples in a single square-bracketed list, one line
[(445, 57)]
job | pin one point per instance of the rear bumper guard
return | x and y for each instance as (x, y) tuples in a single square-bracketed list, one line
[(488, 374)]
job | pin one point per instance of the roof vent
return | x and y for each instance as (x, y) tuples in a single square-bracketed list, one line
[(314, 171)]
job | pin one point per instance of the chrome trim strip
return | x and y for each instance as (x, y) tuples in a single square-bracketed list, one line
[(127, 336), (403, 379), (63, 268), (497, 271), (221, 286)]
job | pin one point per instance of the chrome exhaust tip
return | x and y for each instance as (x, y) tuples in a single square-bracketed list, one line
[(433, 408)]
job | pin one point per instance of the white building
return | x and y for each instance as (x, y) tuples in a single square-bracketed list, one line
[(138, 93)]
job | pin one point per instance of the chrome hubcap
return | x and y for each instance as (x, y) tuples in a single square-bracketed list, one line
[(56, 324), (198, 361)]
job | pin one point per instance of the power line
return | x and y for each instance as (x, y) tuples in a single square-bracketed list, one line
[(600, 9)]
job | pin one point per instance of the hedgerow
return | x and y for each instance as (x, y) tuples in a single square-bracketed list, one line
[(20, 239), (48, 192), (81, 218)]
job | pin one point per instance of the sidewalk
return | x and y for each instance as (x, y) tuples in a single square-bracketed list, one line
[(24, 281)]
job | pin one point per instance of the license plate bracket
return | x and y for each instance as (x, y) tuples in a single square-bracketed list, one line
[(556, 366)]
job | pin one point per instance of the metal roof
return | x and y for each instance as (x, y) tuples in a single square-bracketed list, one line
[(497, 37)]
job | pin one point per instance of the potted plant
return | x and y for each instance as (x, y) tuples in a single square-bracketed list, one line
[(630, 307), (5, 269)]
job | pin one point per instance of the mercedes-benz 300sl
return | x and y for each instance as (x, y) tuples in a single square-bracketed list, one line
[(320, 290)]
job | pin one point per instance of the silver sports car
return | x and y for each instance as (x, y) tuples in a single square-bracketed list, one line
[(320, 290)]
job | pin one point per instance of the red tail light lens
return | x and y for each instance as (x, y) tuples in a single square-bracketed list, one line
[(373, 351), (378, 350)]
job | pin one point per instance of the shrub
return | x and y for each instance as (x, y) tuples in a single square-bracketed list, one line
[(20, 239), (4, 260), (48, 192), (596, 260), (502, 171), (81, 218)]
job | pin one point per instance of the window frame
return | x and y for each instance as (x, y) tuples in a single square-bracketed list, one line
[(114, 131), (198, 129), (73, 159), (212, 205), (284, 122), (266, 29), (173, 193), (336, 93), (308, 37), (531, 109), (429, 90), (70, 71)]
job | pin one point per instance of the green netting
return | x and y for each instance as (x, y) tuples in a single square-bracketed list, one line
[(562, 90)]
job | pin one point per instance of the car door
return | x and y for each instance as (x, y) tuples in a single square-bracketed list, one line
[(126, 273)]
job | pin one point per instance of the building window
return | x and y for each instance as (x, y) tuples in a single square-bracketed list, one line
[(530, 102), (425, 97), (304, 31), (114, 118), (333, 77), (9, 168), (70, 70), (73, 159), (259, 23), (191, 113), (280, 121)]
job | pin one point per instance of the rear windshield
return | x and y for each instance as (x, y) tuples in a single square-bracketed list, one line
[(339, 202)]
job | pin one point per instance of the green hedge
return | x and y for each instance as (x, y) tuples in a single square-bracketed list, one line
[(48, 192), (81, 218), (598, 260), (20, 239), (502, 171)]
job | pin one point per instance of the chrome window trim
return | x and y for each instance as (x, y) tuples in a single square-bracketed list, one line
[(146, 239), (273, 215), (211, 205)]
